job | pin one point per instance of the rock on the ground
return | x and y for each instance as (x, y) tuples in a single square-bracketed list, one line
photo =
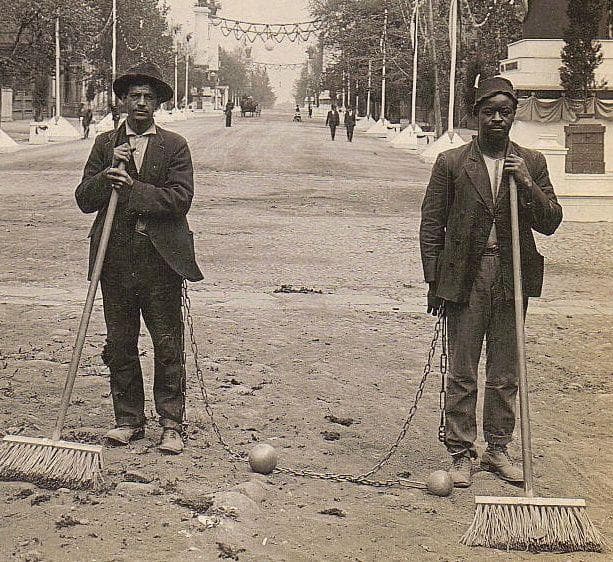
[(135, 489)]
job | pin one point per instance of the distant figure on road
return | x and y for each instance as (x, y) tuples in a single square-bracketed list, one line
[(149, 255), (466, 253), (228, 112), (310, 111), (333, 120), (350, 119), (297, 117), (86, 121)]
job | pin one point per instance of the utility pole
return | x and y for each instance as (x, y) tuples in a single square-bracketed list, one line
[(437, 96), (414, 86), (368, 87), (176, 100), (453, 30), (384, 46), (58, 106), (187, 38), (114, 110)]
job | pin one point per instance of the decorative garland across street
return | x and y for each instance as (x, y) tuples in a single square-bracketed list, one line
[(300, 31)]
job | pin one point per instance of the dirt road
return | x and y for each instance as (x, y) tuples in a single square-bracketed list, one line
[(278, 204)]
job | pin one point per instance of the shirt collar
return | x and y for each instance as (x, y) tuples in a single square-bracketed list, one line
[(152, 130)]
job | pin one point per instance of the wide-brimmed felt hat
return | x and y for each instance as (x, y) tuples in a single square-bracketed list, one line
[(147, 72), (492, 86)]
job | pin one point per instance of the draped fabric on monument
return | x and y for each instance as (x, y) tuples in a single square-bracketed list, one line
[(561, 109)]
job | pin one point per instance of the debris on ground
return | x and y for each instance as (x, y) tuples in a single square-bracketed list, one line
[(229, 552), (331, 435), (333, 511), (303, 290), (341, 421)]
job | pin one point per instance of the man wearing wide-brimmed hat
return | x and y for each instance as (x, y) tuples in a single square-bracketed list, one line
[(150, 253), (465, 239)]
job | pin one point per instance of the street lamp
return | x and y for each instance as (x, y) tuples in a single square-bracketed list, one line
[(187, 38)]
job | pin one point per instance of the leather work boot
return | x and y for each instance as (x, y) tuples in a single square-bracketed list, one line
[(171, 442), (123, 434), (461, 470), (497, 460)]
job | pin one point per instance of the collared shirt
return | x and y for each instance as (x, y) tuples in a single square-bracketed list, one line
[(494, 170), (139, 143)]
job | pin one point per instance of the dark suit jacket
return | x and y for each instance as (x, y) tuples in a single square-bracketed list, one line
[(160, 197), (333, 118), (458, 212), (350, 118)]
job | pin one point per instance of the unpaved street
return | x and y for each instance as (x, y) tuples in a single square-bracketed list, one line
[(280, 208)]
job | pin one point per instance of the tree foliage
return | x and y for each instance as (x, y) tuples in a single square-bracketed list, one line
[(581, 55), (236, 72), (352, 35), (28, 57)]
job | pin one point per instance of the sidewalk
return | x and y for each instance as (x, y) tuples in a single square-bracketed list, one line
[(19, 129)]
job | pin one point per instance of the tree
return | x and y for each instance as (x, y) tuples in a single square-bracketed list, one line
[(261, 89), (85, 38), (581, 54), (233, 72)]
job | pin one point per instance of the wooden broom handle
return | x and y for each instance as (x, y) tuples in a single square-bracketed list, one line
[(524, 410), (87, 311)]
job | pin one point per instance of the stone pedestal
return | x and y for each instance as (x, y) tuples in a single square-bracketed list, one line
[(39, 132), (585, 143), (6, 103)]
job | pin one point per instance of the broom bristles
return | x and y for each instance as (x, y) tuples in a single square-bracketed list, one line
[(50, 464), (534, 525)]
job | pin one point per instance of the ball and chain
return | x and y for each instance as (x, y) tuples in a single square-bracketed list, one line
[(364, 478)]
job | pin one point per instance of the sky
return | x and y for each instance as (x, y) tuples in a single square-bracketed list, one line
[(259, 11)]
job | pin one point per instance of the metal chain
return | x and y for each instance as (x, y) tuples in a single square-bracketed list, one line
[(189, 324), (440, 329), (442, 400)]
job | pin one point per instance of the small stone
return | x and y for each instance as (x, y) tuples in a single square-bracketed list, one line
[(252, 489), (135, 489), (137, 476), (226, 503)]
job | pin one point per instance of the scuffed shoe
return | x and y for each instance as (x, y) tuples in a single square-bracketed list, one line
[(499, 462), (461, 471), (171, 442), (123, 434)]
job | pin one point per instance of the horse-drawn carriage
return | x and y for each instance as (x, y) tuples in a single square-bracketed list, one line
[(249, 106)]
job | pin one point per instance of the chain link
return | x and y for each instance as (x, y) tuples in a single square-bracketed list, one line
[(189, 325), (442, 400), (440, 330)]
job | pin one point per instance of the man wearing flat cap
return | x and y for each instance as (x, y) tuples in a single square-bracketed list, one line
[(465, 239), (149, 255)]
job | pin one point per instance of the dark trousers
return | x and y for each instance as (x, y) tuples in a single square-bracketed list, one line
[(148, 286), (332, 131), (228, 119), (490, 314), (349, 133)]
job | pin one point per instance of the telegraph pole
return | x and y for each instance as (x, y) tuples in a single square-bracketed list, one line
[(414, 87), (368, 87), (382, 117), (57, 68), (187, 38)]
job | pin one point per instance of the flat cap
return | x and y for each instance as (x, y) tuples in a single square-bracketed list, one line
[(492, 86)]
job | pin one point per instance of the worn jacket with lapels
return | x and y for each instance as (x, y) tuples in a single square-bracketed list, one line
[(159, 199), (458, 212)]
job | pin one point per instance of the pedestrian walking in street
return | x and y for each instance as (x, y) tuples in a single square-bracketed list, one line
[(466, 251), (310, 111), (228, 112), (149, 255), (350, 119), (86, 121), (333, 120)]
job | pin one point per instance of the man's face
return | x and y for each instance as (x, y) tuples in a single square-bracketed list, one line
[(140, 103), (496, 115)]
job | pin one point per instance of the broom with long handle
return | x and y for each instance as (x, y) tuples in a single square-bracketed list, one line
[(529, 522), (52, 462)]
